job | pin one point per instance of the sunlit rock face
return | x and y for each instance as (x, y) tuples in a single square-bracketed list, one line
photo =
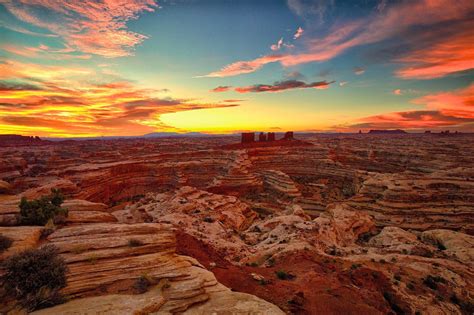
[(100, 258), (321, 224)]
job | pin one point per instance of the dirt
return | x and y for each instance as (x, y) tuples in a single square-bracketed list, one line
[(321, 285)]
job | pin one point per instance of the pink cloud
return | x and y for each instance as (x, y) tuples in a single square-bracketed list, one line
[(96, 27), (397, 92), (395, 20), (359, 70), (278, 45), (244, 66), (298, 33)]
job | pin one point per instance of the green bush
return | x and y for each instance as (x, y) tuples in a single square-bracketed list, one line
[(35, 276), (5, 243), (40, 211)]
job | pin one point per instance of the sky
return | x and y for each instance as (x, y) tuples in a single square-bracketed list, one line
[(127, 68)]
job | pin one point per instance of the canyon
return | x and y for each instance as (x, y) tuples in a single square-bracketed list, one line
[(309, 224)]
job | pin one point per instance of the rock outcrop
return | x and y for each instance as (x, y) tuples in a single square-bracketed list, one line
[(105, 259)]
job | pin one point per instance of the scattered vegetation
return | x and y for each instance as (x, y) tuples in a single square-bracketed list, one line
[(432, 281), (142, 284), (393, 305), (283, 275), (35, 276), (467, 307), (264, 281), (5, 243), (135, 243), (441, 246), (355, 266), (40, 211), (208, 220)]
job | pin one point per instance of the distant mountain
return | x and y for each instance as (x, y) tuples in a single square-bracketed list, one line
[(176, 134), (388, 131), (148, 136)]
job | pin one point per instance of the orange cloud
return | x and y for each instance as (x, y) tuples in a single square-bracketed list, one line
[(445, 109), (222, 88), (95, 27), (41, 100), (459, 103), (43, 52), (450, 55)]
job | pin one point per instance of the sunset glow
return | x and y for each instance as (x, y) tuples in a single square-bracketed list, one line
[(101, 68)]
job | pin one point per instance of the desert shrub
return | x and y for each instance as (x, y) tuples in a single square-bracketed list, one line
[(208, 219), (134, 242), (441, 246), (141, 284), (432, 281), (393, 304), (355, 266), (5, 243), (40, 211), (283, 275), (35, 276)]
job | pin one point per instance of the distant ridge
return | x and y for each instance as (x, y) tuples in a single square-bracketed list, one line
[(14, 140), (387, 131)]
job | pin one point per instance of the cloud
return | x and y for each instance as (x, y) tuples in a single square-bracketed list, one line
[(313, 11), (450, 54), (43, 100), (6, 86), (221, 88), (243, 66), (446, 50), (233, 101), (420, 119), (43, 52), (358, 70), (24, 30), (278, 45), (282, 86), (93, 27), (298, 33), (294, 75), (454, 109), (458, 103), (342, 83), (397, 92)]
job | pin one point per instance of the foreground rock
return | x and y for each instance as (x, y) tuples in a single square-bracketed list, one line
[(105, 259)]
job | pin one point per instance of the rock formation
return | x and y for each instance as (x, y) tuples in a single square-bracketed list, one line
[(322, 224)]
